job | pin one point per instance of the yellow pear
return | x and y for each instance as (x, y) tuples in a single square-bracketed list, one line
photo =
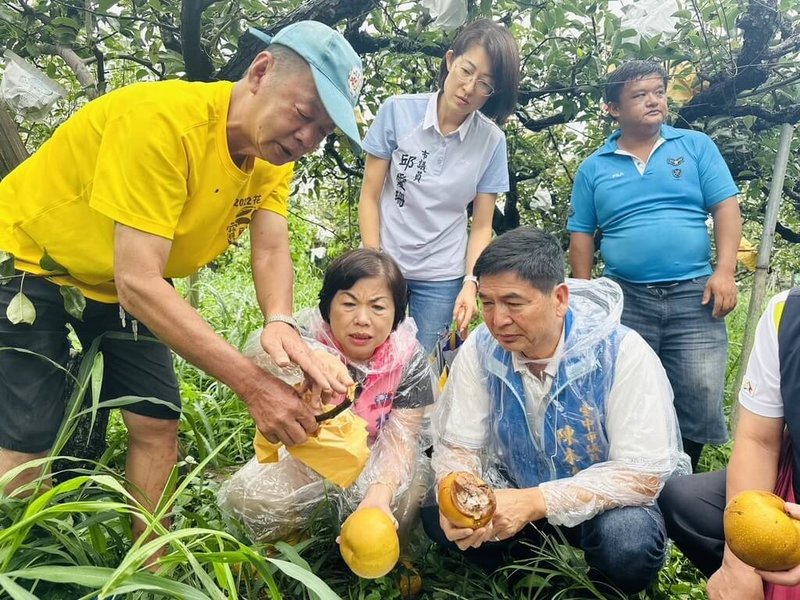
[(369, 544), (760, 533), (466, 500)]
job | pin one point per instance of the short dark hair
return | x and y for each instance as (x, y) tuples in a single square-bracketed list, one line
[(531, 254), (353, 265), (630, 71), (504, 55)]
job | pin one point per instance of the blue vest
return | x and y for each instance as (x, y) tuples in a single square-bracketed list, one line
[(789, 359), (573, 435)]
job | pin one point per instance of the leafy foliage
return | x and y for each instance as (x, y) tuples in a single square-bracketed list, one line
[(736, 70)]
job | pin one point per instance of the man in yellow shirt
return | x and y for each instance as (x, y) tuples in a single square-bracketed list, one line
[(151, 182)]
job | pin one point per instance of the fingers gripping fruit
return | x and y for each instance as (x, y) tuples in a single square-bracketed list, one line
[(760, 533), (466, 500), (369, 543)]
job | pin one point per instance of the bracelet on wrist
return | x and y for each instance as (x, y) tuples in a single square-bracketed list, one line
[(288, 319), (471, 278)]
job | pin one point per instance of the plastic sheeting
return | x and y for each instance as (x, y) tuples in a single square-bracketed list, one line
[(446, 14), (563, 449), (650, 18), (26, 90), (274, 500)]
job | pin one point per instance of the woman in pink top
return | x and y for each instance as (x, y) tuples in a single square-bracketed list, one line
[(360, 324)]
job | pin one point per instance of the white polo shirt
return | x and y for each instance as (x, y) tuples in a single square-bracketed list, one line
[(431, 180), (761, 386)]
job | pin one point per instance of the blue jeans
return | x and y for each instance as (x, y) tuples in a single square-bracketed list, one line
[(624, 546), (692, 346), (628, 545), (430, 304)]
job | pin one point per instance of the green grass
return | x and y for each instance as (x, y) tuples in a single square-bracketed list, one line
[(74, 540)]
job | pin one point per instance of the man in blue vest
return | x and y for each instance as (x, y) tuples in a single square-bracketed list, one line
[(649, 191), (567, 413), (761, 460)]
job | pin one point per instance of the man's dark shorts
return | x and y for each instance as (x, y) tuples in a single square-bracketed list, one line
[(32, 389)]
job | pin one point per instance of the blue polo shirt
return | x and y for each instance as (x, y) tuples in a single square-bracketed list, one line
[(654, 222)]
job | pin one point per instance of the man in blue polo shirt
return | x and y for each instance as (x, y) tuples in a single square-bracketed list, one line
[(649, 190)]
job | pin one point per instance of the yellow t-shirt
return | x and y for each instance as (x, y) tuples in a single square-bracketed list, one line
[(152, 156)]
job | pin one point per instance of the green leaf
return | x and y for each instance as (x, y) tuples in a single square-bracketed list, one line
[(21, 310), (97, 539), (307, 578), (66, 22), (15, 591), (96, 578), (532, 581), (97, 384), (48, 264), (290, 553), (6, 267), (104, 5), (74, 300)]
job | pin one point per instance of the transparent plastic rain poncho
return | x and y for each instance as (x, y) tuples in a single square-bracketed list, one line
[(394, 389), (484, 422)]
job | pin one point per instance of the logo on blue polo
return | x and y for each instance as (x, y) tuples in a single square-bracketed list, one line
[(675, 162), (676, 173)]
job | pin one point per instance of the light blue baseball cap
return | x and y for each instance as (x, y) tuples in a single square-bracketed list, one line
[(334, 64)]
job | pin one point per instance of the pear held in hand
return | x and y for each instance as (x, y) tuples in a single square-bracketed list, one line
[(760, 533), (466, 500), (369, 544)]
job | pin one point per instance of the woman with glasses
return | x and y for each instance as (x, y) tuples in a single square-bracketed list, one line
[(428, 157)]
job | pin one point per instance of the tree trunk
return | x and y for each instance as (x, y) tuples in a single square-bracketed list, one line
[(509, 218), (195, 56), (759, 25), (329, 12), (12, 150)]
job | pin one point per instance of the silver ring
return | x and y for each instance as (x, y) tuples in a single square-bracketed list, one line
[(496, 539)]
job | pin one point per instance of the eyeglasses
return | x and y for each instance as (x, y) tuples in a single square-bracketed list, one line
[(467, 74)]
